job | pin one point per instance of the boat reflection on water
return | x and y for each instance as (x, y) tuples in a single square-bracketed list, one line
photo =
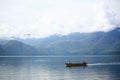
[(83, 64)]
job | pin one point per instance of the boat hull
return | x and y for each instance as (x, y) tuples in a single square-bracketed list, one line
[(76, 64)]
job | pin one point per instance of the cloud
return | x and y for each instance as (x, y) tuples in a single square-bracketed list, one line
[(41, 18)]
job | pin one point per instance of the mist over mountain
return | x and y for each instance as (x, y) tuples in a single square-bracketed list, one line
[(97, 43)]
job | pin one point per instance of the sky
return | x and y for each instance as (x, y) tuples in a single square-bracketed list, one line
[(42, 18)]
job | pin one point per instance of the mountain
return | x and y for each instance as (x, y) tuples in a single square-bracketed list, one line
[(1, 50), (14, 47), (3, 41), (108, 42), (82, 43), (97, 43)]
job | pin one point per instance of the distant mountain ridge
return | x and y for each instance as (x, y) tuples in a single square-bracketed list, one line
[(97, 43), (83, 43), (14, 47)]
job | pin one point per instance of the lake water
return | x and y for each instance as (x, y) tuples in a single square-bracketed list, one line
[(53, 68)]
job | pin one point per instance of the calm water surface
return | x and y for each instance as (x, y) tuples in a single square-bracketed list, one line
[(53, 68)]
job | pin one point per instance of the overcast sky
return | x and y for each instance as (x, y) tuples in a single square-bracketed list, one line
[(41, 18)]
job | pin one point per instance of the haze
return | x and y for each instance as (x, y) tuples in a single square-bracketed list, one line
[(42, 18)]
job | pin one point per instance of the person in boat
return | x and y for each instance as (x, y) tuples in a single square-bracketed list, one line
[(84, 62), (69, 62)]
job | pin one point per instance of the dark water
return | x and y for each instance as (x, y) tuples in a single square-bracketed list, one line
[(53, 68)]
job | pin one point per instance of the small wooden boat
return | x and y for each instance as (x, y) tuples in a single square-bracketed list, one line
[(83, 64)]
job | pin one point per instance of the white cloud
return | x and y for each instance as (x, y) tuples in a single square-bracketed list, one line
[(42, 18)]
